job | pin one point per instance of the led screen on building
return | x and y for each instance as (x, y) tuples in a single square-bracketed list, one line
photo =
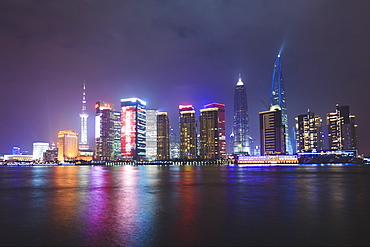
[(128, 132)]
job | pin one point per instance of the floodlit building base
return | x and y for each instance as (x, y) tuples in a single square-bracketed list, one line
[(267, 159)]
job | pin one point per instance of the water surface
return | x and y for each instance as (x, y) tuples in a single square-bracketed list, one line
[(185, 205)]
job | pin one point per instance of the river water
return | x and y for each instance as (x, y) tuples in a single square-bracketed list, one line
[(185, 205)]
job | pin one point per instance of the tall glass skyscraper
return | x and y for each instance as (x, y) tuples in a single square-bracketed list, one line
[(277, 97), (242, 139)]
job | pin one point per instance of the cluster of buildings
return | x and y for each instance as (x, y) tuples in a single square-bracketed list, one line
[(133, 132)]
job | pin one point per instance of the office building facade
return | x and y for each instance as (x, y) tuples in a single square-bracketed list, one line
[(163, 136), (342, 130), (151, 134), (188, 132), (272, 132), (117, 135), (174, 145), (67, 145), (209, 134), (104, 131), (39, 149), (221, 128), (133, 129), (308, 132)]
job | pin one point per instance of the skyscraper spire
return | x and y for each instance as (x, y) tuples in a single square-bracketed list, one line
[(277, 97), (242, 140), (84, 145), (240, 82)]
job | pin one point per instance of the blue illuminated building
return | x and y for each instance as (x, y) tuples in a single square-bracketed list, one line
[(277, 97), (16, 150)]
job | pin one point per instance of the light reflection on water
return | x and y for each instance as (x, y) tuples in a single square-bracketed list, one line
[(185, 205)]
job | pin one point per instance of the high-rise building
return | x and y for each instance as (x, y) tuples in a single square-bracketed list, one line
[(188, 132), (133, 129), (67, 145), (16, 150), (104, 131), (241, 137), (342, 130), (51, 155), (221, 127), (39, 149), (174, 145), (84, 144), (151, 134), (209, 134), (277, 97), (163, 136), (117, 135), (308, 132), (272, 131)]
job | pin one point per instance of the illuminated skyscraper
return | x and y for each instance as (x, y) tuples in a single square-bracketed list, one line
[(241, 137), (151, 134), (221, 127), (104, 131), (163, 136), (342, 130), (272, 131), (308, 132), (277, 97), (133, 129), (209, 134), (84, 145), (67, 145), (188, 132), (174, 145), (39, 149), (117, 135)]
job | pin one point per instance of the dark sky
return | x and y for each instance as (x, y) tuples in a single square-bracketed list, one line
[(177, 52)]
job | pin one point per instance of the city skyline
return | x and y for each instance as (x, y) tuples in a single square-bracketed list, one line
[(141, 49)]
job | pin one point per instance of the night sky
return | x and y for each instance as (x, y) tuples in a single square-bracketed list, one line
[(177, 52)]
